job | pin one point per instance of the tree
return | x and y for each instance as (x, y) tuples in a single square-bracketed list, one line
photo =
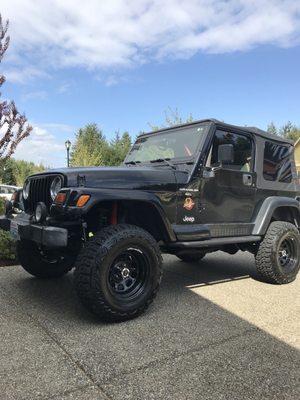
[(7, 171), (14, 172), (118, 149), (13, 125), (172, 117), (22, 169), (288, 131), (90, 147), (272, 128)]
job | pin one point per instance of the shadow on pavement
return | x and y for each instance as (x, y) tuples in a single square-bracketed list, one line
[(184, 347), (215, 270)]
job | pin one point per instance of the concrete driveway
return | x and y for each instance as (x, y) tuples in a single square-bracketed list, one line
[(214, 332)]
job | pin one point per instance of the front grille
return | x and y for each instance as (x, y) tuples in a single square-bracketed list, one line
[(39, 190)]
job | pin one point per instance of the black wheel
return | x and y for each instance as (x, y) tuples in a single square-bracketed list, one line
[(118, 273), (278, 256), (191, 257), (43, 263)]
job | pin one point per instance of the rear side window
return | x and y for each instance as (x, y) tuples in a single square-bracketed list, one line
[(277, 162)]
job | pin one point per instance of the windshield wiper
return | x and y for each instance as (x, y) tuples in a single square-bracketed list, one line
[(132, 162), (166, 160)]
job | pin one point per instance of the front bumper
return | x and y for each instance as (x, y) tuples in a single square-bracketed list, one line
[(22, 228)]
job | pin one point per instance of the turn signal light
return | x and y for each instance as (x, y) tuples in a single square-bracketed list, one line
[(60, 198), (83, 199)]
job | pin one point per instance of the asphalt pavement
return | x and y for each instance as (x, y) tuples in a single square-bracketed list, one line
[(214, 332)]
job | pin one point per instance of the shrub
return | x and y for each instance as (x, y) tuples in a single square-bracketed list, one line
[(2, 202), (7, 245)]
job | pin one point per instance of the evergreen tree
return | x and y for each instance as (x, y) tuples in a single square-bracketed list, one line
[(7, 171), (14, 172), (118, 149), (272, 128), (290, 131), (22, 169), (90, 147)]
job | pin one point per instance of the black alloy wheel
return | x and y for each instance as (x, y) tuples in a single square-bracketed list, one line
[(288, 253), (118, 272), (278, 255), (128, 273)]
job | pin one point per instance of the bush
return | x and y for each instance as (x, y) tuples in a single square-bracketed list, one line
[(2, 202), (7, 245)]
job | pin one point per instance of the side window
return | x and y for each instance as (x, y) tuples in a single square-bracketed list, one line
[(242, 150), (277, 162)]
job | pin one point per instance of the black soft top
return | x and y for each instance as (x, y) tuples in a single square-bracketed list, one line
[(247, 129)]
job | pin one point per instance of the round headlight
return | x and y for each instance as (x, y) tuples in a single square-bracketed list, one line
[(26, 190), (40, 212), (56, 185)]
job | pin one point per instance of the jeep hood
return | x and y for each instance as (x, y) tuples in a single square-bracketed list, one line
[(123, 177)]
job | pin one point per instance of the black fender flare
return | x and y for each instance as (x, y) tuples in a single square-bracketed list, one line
[(100, 195), (267, 209)]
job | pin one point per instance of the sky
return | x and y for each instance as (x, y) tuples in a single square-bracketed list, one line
[(121, 64)]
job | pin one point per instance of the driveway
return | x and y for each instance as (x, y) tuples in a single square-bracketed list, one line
[(214, 332)]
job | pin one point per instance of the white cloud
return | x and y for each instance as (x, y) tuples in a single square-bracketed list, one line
[(57, 127), (42, 146), (118, 33), (38, 95), (112, 79), (64, 87), (24, 75)]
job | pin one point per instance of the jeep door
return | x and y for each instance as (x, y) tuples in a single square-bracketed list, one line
[(227, 193)]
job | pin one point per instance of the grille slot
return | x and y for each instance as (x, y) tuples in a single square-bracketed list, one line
[(39, 191)]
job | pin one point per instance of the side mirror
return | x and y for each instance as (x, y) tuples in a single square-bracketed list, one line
[(225, 154)]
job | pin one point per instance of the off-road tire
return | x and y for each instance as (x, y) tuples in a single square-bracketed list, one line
[(191, 258), (93, 266), (267, 262), (32, 260)]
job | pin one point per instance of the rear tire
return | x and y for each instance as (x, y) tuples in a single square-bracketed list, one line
[(43, 263), (192, 257), (118, 272), (278, 256)]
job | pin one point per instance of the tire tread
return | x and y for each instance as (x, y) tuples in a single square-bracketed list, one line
[(263, 259), (86, 275)]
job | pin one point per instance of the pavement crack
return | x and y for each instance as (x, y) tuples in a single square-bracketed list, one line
[(64, 351), (177, 355)]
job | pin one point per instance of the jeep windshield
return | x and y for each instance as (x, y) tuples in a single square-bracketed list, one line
[(174, 144)]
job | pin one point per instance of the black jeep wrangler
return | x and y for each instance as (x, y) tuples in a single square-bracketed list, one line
[(187, 190)]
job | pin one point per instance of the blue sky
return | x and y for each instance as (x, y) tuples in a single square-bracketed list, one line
[(236, 62)]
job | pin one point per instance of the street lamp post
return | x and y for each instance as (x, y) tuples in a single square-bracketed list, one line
[(68, 146)]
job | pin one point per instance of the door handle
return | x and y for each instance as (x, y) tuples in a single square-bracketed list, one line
[(247, 180)]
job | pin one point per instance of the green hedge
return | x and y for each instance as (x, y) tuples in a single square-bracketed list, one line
[(7, 245)]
